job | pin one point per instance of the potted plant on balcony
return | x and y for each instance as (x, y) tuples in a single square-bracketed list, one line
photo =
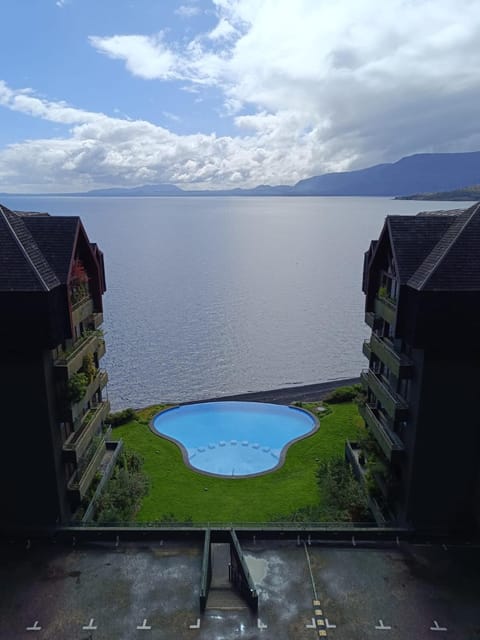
[(78, 281)]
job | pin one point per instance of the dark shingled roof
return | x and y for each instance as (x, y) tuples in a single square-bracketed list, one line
[(437, 251), (23, 267), (454, 263), (55, 236), (412, 239)]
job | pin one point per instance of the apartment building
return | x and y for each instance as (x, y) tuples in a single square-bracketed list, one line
[(422, 285), (54, 445)]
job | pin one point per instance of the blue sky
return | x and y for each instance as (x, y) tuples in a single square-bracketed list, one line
[(226, 93)]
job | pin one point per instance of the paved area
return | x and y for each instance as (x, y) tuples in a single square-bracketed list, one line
[(150, 591)]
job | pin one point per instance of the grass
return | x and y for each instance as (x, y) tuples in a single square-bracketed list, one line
[(182, 494)]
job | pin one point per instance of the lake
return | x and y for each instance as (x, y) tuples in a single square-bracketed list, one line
[(216, 296)]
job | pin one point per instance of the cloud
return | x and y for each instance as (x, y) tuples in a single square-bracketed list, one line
[(146, 57), (223, 30), (309, 86), (187, 11), (99, 150), (351, 72), (171, 116)]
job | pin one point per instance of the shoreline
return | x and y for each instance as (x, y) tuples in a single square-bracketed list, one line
[(284, 395)]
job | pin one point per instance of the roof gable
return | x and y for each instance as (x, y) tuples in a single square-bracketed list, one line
[(454, 263), (412, 238), (56, 237), (23, 267)]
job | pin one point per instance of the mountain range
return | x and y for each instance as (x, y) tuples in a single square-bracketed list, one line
[(416, 174)]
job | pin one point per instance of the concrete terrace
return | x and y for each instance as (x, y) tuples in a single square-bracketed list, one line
[(149, 590)]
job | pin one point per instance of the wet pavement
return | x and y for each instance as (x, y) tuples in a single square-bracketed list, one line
[(150, 591)]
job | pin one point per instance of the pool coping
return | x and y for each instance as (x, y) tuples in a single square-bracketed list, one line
[(281, 457)]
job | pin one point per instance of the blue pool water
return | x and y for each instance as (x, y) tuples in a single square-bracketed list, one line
[(234, 438)]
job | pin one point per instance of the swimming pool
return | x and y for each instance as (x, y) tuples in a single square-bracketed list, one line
[(234, 439)]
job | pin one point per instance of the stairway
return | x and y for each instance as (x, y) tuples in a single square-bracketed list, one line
[(221, 595)]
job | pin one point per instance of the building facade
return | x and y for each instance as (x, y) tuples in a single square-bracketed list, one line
[(422, 286), (53, 410)]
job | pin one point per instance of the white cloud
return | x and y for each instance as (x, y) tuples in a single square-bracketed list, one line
[(100, 150), (223, 30), (187, 11), (146, 57), (310, 85), (348, 70), (171, 116)]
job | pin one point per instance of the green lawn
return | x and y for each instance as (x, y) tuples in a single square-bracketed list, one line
[(188, 495)]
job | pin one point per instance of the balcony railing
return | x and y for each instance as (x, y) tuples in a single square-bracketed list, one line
[(372, 320), (80, 481), (366, 349), (72, 360), (352, 451), (388, 441), (399, 364), (82, 310), (97, 320), (385, 308), (99, 382), (395, 406), (77, 443)]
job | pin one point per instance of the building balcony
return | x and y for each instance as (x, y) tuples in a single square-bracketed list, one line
[(106, 466), (395, 406), (78, 441), (97, 320), (82, 310), (72, 360), (367, 350), (73, 412), (352, 454), (372, 320), (82, 479), (388, 441), (399, 364), (386, 309)]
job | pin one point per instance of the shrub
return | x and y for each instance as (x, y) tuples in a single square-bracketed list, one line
[(120, 417), (76, 387), (127, 486), (344, 394), (88, 367), (344, 497)]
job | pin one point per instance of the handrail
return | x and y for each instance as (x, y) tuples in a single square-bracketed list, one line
[(81, 302), (78, 345), (393, 397), (239, 526), (206, 571), (87, 419), (240, 573)]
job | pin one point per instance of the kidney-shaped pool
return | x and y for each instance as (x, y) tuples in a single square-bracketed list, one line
[(234, 439)]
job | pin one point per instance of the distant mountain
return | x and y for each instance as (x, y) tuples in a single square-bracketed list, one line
[(419, 174), (145, 190), (172, 190), (426, 172), (471, 194)]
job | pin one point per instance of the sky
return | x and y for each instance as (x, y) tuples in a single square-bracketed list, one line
[(209, 94)]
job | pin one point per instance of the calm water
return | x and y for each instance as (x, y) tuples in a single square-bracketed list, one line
[(234, 438), (215, 296)]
